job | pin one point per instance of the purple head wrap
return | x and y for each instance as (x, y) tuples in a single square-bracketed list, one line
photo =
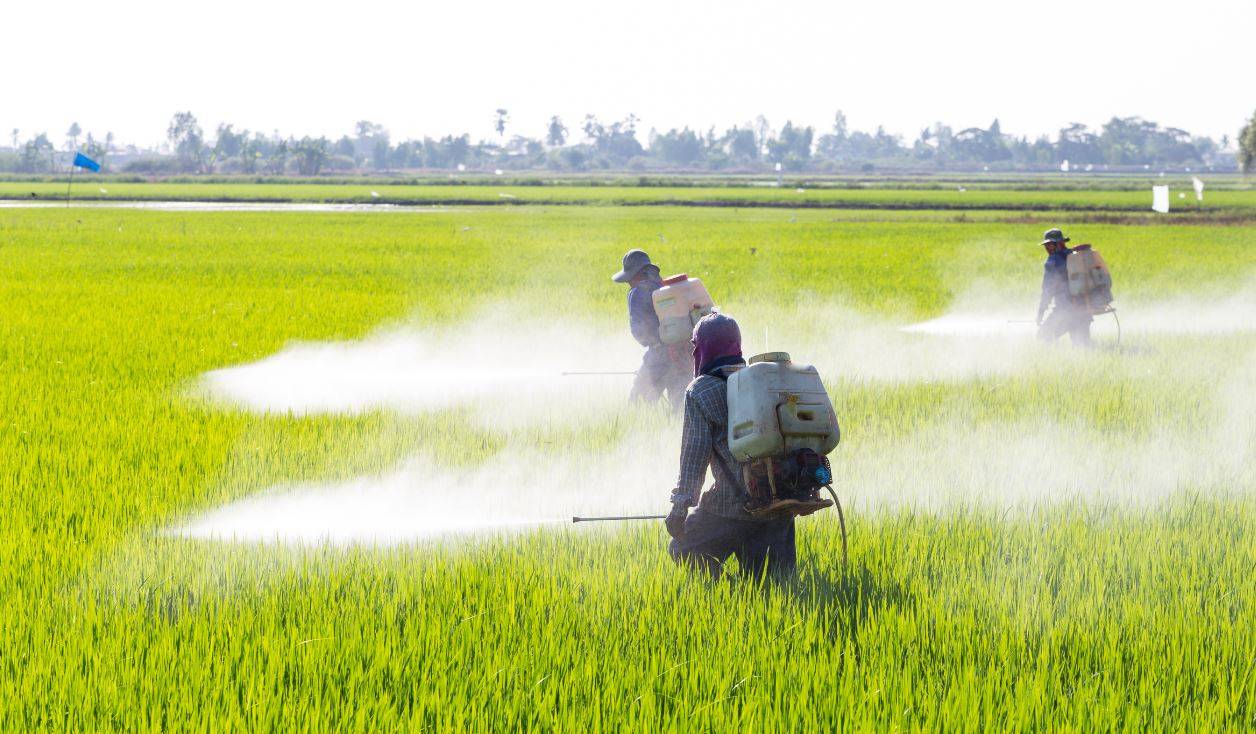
[(716, 336)]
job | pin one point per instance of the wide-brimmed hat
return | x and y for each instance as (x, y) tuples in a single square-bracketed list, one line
[(634, 262), (1054, 235)]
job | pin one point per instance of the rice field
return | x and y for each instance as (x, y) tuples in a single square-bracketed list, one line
[(1223, 195), (1039, 538)]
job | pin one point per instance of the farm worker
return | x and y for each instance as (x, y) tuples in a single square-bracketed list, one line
[(663, 369), (1068, 315), (720, 526)]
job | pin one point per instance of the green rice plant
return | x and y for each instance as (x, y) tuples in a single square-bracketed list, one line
[(1068, 607), (1228, 200)]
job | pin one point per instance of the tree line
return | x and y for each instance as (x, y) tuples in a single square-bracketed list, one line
[(596, 145)]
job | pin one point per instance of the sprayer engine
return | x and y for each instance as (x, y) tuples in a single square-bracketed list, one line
[(799, 475)]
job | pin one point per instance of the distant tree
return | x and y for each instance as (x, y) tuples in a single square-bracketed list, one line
[(344, 146), (310, 154), (459, 148), (250, 153), (71, 136), (366, 130), (228, 142), (886, 144), (681, 148), (1077, 144), (593, 130), (573, 158), (35, 154), (1247, 146), (499, 122), (366, 144), (617, 141), (923, 147), (380, 153), (839, 125), (407, 155), (984, 146), (742, 145), (187, 140), (762, 131), (556, 135), (277, 161), (15, 134), (792, 147), (832, 146)]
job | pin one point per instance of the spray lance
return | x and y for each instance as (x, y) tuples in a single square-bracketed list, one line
[(619, 517), (841, 518), (794, 483)]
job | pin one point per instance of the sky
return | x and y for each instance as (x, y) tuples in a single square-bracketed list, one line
[(421, 68)]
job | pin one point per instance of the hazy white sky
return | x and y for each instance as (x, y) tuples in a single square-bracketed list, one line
[(315, 67)]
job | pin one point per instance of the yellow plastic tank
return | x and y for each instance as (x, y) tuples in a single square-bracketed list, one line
[(679, 304)]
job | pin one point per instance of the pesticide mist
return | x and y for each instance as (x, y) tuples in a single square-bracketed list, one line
[(507, 377), (977, 317)]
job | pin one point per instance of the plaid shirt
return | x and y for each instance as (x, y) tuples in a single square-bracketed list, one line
[(704, 443)]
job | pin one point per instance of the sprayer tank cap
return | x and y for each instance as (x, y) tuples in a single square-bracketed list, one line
[(770, 357)]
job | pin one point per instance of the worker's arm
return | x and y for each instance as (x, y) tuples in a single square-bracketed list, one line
[(696, 447), (1045, 300), (642, 319)]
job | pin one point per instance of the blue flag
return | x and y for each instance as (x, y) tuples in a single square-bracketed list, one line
[(83, 161)]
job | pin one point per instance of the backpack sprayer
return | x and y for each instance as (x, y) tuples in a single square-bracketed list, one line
[(781, 427)]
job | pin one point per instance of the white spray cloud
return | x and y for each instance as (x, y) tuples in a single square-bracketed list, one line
[(1194, 315), (517, 489), (510, 372), (953, 460)]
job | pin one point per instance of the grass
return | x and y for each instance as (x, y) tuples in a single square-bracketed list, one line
[(1231, 199), (1100, 614)]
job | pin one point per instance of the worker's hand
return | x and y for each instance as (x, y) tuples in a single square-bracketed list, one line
[(675, 521)]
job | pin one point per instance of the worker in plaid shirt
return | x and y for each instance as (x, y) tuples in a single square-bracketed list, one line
[(720, 526)]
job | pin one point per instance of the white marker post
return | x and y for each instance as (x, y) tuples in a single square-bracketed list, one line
[(1160, 199)]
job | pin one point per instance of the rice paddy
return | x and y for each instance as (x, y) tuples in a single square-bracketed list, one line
[(1039, 538)]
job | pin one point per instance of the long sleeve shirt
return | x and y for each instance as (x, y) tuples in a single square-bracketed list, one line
[(703, 444), (1054, 280), (642, 318)]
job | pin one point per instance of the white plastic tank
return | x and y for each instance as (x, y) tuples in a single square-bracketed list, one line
[(679, 304), (776, 406)]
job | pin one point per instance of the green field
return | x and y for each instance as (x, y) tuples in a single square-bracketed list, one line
[(1229, 195), (990, 585)]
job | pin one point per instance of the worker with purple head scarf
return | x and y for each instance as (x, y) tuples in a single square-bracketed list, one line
[(720, 526)]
